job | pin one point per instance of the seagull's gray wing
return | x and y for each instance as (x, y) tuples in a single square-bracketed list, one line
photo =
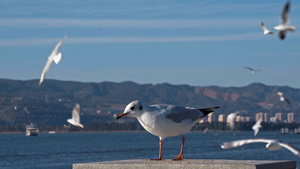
[(76, 113), (263, 26), (55, 50), (178, 114), (238, 143), (291, 148), (249, 68), (285, 14), (287, 100)]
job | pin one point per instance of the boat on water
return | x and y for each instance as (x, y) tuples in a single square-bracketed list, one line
[(297, 130), (51, 132), (31, 130)]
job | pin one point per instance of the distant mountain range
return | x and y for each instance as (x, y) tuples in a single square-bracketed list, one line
[(50, 104)]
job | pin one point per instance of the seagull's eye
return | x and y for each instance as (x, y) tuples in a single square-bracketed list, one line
[(131, 108), (141, 107)]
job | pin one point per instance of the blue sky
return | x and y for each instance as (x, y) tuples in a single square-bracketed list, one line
[(193, 42)]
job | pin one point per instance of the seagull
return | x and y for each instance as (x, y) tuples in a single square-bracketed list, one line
[(266, 31), (56, 57), (284, 25), (282, 98), (252, 70), (256, 126), (75, 120), (231, 119), (272, 145), (165, 120)]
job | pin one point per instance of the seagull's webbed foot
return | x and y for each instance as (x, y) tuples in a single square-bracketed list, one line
[(158, 159), (178, 158)]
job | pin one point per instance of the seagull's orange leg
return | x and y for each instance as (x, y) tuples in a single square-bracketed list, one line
[(180, 156), (160, 148)]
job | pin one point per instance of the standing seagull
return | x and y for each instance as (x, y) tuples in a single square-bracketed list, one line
[(282, 98), (165, 120), (284, 25), (75, 120), (266, 31), (56, 57), (256, 126), (272, 145), (252, 70)]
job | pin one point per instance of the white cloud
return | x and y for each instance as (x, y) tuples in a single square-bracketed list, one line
[(128, 23), (93, 40)]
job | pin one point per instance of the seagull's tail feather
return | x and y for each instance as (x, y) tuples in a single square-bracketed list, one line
[(206, 111)]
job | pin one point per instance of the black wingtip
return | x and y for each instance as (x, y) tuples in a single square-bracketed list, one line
[(206, 111)]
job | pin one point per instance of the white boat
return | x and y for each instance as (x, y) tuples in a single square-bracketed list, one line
[(31, 130), (51, 132), (284, 130)]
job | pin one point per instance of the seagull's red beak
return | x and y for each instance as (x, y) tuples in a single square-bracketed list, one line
[(121, 115), (266, 148)]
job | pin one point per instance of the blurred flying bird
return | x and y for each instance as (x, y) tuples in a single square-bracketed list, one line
[(272, 145), (75, 120), (231, 119), (252, 70), (266, 31), (284, 24), (256, 126), (56, 57), (282, 98)]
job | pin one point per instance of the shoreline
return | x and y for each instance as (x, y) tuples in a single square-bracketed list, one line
[(58, 132)]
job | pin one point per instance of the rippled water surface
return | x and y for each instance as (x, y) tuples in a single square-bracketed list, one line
[(61, 150)]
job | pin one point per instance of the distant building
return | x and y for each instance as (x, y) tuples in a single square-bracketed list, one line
[(211, 117), (247, 119), (265, 118), (240, 119), (221, 118), (290, 117), (279, 117), (258, 116), (273, 119)]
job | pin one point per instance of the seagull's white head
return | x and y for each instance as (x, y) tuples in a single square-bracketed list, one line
[(133, 109)]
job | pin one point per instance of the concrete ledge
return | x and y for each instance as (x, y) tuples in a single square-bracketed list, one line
[(189, 164)]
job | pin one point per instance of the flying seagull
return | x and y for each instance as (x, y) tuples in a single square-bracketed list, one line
[(231, 119), (284, 24), (272, 145), (252, 70), (56, 57), (266, 31), (282, 98), (75, 120), (256, 126), (165, 120)]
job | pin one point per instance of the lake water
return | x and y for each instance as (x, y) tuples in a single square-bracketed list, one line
[(61, 150)]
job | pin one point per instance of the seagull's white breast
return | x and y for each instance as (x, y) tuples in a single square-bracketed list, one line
[(157, 124)]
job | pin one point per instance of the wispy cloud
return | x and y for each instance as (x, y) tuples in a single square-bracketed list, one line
[(128, 23), (95, 40)]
